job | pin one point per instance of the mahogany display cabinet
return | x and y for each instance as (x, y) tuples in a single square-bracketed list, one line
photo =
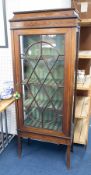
[(44, 47)]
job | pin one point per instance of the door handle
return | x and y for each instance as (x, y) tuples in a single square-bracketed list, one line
[(16, 95)]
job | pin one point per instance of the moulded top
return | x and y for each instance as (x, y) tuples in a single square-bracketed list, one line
[(49, 13), (45, 18), (44, 10)]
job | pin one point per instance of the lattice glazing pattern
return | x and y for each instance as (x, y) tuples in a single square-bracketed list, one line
[(42, 61)]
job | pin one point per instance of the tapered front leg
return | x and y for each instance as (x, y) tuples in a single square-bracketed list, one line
[(68, 155), (19, 146), (72, 147)]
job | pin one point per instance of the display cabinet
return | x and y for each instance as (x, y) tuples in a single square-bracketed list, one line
[(44, 47)]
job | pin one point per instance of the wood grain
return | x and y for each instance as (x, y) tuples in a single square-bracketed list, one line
[(5, 103)]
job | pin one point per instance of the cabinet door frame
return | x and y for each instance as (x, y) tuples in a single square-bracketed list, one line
[(69, 61)]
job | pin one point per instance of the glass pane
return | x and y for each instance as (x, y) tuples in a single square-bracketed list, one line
[(42, 63)]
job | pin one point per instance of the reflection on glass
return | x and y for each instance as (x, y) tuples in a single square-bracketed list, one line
[(42, 61)]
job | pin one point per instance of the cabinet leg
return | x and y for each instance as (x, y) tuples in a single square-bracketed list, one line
[(68, 155), (72, 147), (29, 141), (19, 146), (85, 146)]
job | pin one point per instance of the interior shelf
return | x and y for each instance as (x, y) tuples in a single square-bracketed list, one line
[(86, 54), (82, 107), (42, 104), (47, 57), (51, 125), (48, 83), (85, 84)]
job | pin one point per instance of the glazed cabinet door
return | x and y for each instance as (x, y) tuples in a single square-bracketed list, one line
[(44, 80)]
